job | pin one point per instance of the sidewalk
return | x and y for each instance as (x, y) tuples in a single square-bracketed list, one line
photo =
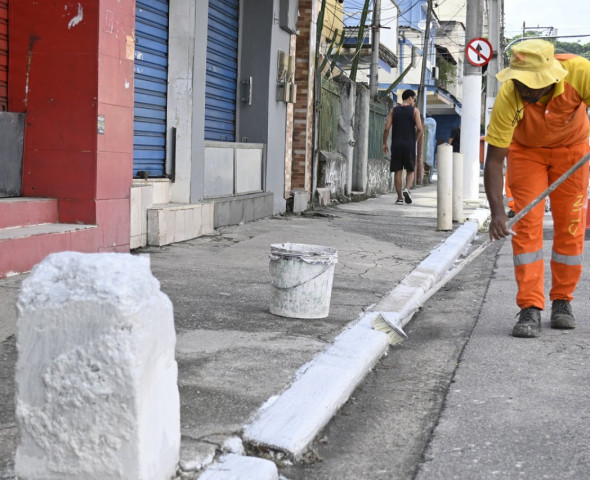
[(233, 355)]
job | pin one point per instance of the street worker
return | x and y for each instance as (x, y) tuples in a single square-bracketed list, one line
[(539, 123), (406, 130)]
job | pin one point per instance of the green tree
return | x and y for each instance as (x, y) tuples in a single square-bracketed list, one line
[(577, 48), (447, 73)]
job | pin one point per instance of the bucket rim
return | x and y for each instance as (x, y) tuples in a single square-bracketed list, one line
[(302, 249)]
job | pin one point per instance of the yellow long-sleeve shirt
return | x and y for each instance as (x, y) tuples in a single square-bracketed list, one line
[(558, 119)]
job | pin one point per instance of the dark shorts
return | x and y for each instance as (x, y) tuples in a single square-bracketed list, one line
[(401, 162)]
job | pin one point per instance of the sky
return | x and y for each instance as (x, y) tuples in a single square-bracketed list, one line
[(570, 17)]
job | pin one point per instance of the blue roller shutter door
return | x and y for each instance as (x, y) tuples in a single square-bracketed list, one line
[(222, 70), (151, 79)]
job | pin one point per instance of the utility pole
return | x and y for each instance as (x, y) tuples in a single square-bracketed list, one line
[(376, 39), (359, 42), (421, 88), (471, 113), (495, 16)]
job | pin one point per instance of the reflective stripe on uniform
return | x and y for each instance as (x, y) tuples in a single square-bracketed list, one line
[(527, 258), (566, 259)]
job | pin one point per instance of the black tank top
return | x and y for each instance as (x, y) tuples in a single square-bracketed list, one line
[(403, 133)]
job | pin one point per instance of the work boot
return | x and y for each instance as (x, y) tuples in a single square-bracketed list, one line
[(529, 323), (561, 315)]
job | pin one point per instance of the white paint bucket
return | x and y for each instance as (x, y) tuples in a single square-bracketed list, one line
[(301, 278)]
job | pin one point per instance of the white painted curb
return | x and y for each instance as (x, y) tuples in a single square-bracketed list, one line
[(238, 467), (292, 420), (480, 215), (406, 296)]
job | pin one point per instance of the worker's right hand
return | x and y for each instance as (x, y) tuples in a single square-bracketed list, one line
[(498, 228), (385, 149)]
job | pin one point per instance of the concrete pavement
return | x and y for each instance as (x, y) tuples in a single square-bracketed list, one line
[(236, 358)]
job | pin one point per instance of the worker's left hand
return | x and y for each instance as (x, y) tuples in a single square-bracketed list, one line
[(385, 149)]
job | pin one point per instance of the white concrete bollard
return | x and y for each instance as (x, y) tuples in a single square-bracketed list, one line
[(97, 395), (470, 134), (444, 187), (457, 187)]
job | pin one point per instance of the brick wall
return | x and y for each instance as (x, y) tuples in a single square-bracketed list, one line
[(303, 108)]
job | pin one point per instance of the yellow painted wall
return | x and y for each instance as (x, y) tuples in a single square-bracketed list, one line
[(333, 19)]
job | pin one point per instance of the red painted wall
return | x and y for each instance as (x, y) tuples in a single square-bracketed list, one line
[(3, 55), (71, 62)]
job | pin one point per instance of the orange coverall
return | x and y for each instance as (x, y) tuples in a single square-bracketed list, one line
[(509, 198), (545, 139)]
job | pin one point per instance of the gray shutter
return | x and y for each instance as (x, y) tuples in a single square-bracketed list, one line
[(222, 70), (151, 80)]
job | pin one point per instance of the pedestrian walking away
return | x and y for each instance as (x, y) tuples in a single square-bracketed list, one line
[(455, 139), (406, 132), (539, 123)]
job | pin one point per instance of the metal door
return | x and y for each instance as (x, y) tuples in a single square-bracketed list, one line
[(12, 131), (151, 80), (222, 70)]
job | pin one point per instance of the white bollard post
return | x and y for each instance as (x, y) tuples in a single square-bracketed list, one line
[(444, 187), (457, 187), (97, 395)]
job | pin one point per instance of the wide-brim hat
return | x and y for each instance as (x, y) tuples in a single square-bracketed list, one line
[(533, 63)]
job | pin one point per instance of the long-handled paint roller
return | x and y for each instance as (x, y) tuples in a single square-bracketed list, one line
[(392, 323)]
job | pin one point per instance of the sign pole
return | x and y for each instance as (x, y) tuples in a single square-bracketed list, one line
[(471, 112)]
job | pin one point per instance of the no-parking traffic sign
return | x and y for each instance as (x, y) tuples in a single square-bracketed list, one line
[(479, 52)]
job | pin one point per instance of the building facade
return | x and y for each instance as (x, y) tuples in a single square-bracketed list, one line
[(141, 122)]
